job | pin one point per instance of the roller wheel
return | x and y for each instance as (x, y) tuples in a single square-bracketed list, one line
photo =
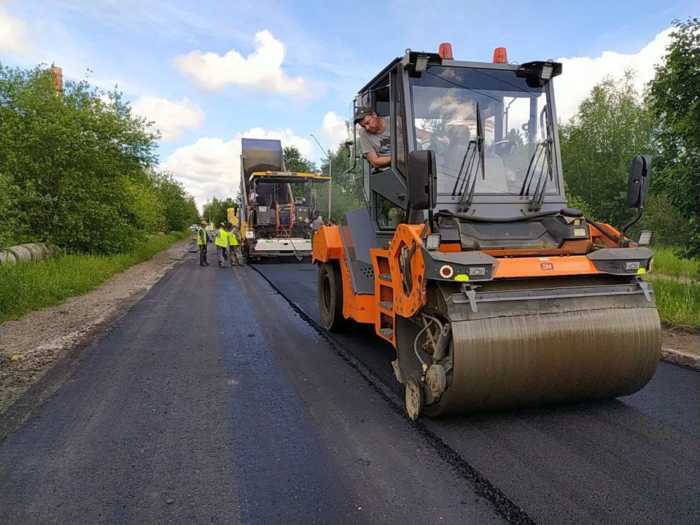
[(413, 399), (330, 297)]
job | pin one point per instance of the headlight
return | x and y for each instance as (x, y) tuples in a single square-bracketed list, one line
[(446, 271)]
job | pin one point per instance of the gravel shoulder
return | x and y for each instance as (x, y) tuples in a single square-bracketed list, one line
[(34, 344), (681, 346)]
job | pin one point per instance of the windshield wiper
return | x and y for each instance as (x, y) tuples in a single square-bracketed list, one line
[(466, 196), (536, 168), (540, 187), (468, 160)]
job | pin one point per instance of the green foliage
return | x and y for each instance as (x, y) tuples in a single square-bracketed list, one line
[(346, 188), (215, 211), (74, 168), (179, 208), (8, 216), (148, 212), (674, 101), (665, 220), (667, 262), (678, 302), (611, 126), (30, 286), (295, 161)]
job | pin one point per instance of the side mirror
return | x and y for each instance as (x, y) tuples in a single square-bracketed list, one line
[(638, 182), (421, 180)]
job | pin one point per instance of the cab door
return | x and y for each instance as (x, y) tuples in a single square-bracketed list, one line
[(385, 189)]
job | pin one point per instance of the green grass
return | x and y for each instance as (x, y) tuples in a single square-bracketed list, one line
[(31, 286), (668, 263), (678, 303)]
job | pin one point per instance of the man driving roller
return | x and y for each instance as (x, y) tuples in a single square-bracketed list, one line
[(375, 140)]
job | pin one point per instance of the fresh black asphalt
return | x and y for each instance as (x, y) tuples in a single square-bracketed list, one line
[(213, 401), (631, 460)]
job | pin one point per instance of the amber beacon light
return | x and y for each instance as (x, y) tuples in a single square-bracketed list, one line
[(500, 55)]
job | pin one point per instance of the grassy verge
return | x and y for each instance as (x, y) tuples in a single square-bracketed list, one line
[(678, 303), (668, 263), (31, 286)]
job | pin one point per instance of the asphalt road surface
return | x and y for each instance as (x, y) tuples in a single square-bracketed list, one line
[(212, 400), (631, 460), (215, 399)]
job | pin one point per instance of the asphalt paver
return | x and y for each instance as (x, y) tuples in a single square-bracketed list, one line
[(213, 401), (631, 460)]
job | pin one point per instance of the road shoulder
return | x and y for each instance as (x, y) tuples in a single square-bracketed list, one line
[(681, 347)]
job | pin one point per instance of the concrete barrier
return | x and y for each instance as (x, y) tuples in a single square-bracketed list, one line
[(33, 251), (39, 251), (7, 257), (22, 254)]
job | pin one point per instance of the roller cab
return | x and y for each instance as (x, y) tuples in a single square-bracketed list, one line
[(467, 260)]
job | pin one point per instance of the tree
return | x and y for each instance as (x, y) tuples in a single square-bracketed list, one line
[(76, 168), (68, 158), (611, 126), (295, 161), (346, 186), (178, 208), (674, 101), (215, 210)]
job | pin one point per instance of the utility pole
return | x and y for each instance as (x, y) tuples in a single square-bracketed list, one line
[(329, 159)]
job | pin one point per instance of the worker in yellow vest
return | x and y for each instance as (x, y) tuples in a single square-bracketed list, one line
[(222, 243), (234, 244), (202, 240)]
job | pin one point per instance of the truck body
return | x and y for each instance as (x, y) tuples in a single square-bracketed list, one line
[(277, 206)]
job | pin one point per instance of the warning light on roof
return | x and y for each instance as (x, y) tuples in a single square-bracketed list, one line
[(500, 55), (445, 51)]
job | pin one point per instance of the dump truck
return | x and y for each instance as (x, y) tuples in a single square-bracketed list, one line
[(466, 259), (278, 206)]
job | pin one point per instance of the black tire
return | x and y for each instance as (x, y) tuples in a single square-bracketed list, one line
[(330, 297)]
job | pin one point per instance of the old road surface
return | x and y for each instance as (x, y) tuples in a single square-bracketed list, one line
[(216, 399)]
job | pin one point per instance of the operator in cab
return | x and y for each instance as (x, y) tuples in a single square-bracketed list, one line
[(375, 140)]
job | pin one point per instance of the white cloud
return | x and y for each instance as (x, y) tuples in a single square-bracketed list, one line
[(211, 166), (13, 34), (333, 130), (262, 69), (170, 117), (580, 74)]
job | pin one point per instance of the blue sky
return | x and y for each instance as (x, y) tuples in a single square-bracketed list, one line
[(207, 72)]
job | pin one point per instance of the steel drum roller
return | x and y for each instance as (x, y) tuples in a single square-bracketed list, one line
[(535, 359)]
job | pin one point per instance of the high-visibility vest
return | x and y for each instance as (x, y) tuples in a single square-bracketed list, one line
[(201, 237), (233, 238), (221, 238)]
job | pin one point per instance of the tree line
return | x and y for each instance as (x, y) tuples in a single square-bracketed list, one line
[(614, 123), (78, 169)]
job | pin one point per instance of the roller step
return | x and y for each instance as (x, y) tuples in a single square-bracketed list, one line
[(386, 333), (388, 306)]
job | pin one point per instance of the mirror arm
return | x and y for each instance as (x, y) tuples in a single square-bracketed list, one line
[(640, 212)]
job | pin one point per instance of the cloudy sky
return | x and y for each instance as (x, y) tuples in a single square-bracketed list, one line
[(210, 72)]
